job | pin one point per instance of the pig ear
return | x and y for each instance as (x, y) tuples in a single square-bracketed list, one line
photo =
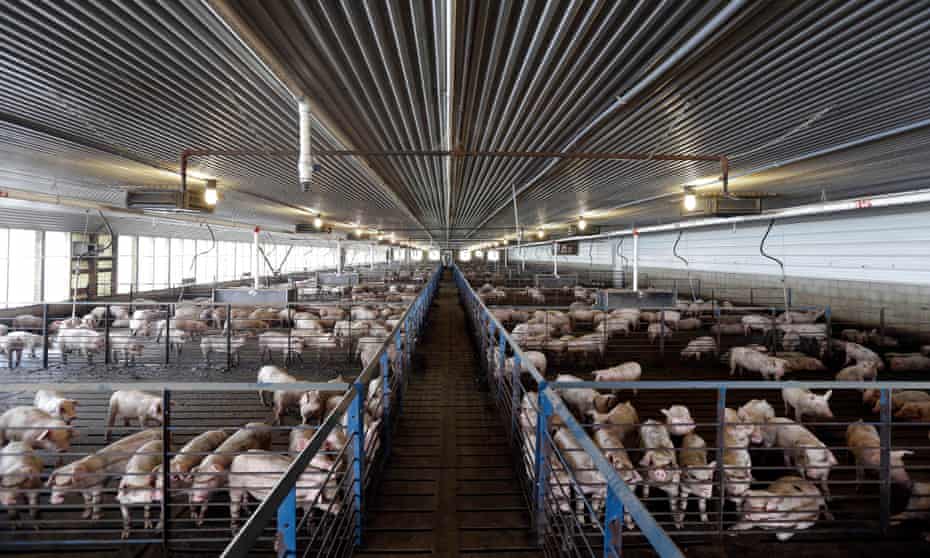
[(901, 453), (51, 478), (712, 465), (826, 396), (646, 460), (43, 435)]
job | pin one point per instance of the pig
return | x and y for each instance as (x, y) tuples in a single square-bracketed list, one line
[(35, 426), (124, 344), (631, 315), (657, 330), (758, 413), (863, 441), (737, 462), (90, 474), (56, 405), (856, 353), (20, 472), (191, 455), (611, 444), (866, 370), (12, 347), (756, 322), (688, 324), (903, 362), (587, 479), (612, 327), (282, 399), (311, 406), (745, 358), (622, 419), (625, 372), (678, 420), (698, 347), (31, 341), (727, 329), (795, 317), (27, 321), (899, 398), (791, 341), (256, 472), (83, 341), (661, 466), (138, 484), (190, 326), (877, 339), (805, 451), (211, 474), (130, 404), (799, 362), (788, 503), (345, 328), (697, 475), (915, 410), (582, 400), (918, 505), (536, 358), (806, 402), (855, 336), (210, 344)]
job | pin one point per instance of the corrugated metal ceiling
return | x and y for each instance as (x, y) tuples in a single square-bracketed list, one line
[(762, 82)]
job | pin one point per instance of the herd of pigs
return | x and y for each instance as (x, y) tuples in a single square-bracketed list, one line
[(674, 457), (238, 462), (285, 331)]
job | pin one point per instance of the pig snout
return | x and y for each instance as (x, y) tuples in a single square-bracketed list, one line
[(57, 497), (660, 475)]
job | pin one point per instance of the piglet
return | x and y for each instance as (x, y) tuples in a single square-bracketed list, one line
[(130, 404), (678, 420), (137, 486), (865, 445), (20, 472), (805, 402), (789, 503), (56, 405), (697, 476), (29, 424), (661, 466)]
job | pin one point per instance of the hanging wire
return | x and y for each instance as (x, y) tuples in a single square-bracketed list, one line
[(687, 266), (784, 286)]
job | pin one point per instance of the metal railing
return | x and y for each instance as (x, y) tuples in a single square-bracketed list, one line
[(558, 491), (366, 454), (332, 461)]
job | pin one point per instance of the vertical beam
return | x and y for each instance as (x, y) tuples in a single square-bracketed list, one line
[(721, 419), (357, 436), (613, 525), (385, 405), (885, 456), (45, 335), (635, 260), (254, 258), (541, 461), (165, 470), (287, 526), (371, 256), (338, 257)]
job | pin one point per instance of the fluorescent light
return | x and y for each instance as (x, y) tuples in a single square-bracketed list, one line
[(317, 223), (210, 195), (690, 201), (582, 224), (541, 233)]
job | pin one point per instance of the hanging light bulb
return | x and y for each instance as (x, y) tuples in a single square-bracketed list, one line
[(541, 233), (358, 233), (210, 195), (317, 223), (582, 224), (690, 200)]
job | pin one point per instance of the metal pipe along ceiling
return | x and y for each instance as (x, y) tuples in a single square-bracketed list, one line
[(305, 156)]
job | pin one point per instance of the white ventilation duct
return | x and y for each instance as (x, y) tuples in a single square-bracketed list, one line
[(305, 161)]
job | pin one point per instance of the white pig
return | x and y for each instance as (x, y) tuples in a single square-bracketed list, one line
[(582, 400), (758, 413), (56, 405), (678, 420), (138, 484), (698, 347), (790, 503), (35, 426), (805, 402), (697, 477), (130, 404), (805, 451), (210, 344), (20, 472), (865, 445), (661, 466)]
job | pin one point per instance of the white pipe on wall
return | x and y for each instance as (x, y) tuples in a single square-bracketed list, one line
[(255, 255), (635, 260), (305, 157)]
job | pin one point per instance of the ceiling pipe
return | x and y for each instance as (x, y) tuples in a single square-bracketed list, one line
[(824, 208), (305, 165)]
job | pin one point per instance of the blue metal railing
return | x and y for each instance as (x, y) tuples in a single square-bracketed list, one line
[(363, 452), (555, 489)]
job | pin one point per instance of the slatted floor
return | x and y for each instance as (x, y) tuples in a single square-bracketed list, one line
[(450, 488)]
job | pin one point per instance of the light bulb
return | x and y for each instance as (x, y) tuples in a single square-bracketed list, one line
[(210, 196), (582, 224), (690, 202), (541, 233), (317, 223), (358, 232)]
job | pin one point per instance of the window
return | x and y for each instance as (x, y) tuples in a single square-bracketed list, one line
[(57, 266), (493, 255), (182, 260), (23, 252), (434, 255), (244, 258), (464, 256), (125, 264), (206, 261), (227, 263), (416, 255), (154, 263)]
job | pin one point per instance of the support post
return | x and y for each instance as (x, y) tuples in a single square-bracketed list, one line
[(287, 526), (165, 470), (106, 335), (357, 436), (255, 255), (555, 259), (168, 336), (613, 526), (541, 463), (386, 405), (885, 456), (45, 335), (515, 399), (338, 257), (635, 260), (721, 419), (229, 337)]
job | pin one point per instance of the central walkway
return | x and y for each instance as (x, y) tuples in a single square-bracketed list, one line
[(450, 488)]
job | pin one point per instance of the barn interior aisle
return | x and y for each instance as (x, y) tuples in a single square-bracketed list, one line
[(449, 488)]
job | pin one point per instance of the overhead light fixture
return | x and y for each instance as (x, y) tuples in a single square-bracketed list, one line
[(541, 234), (690, 200), (358, 233), (317, 223), (210, 195), (582, 224)]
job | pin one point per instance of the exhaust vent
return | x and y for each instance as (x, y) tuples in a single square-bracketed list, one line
[(167, 201)]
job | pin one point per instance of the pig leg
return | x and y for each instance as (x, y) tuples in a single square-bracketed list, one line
[(147, 517), (677, 510), (702, 506), (859, 474), (235, 502), (88, 508), (127, 521), (96, 500), (111, 418), (33, 498)]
